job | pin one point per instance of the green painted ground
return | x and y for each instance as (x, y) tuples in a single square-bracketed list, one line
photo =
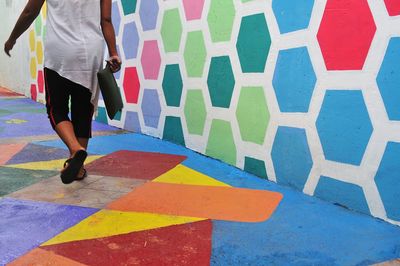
[(13, 179)]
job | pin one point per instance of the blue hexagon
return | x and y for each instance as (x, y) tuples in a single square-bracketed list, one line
[(389, 79), (388, 180), (130, 40), (345, 194), (294, 80), (132, 122), (344, 126), (148, 14), (292, 15), (291, 157), (151, 108), (117, 75), (116, 17)]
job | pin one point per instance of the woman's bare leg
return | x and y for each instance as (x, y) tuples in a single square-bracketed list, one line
[(84, 143), (65, 131)]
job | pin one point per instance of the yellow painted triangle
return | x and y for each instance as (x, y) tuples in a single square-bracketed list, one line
[(48, 165), (107, 223), (187, 176)]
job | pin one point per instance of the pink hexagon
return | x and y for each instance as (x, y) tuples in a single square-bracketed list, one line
[(393, 7), (40, 81), (193, 9), (131, 85), (345, 34), (33, 92), (151, 60)]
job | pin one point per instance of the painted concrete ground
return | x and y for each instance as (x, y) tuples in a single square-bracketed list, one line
[(150, 202)]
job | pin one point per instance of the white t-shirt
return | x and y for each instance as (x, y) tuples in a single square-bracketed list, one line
[(74, 42)]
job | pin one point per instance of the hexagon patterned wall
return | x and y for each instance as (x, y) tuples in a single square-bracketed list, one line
[(304, 93)]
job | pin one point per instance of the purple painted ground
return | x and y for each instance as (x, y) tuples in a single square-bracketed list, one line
[(27, 121), (18, 234)]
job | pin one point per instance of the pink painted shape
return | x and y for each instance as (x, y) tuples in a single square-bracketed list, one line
[(345, 34), (9, 150), (151, 60), (131, 85), (393, 7), (40, 81), (193, 9), (33, 92)]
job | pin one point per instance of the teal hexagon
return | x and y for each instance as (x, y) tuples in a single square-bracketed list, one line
[(172, 85), (221, 144), (195, 112), (171, 30), (220, 20), (129, 6), (195, 54), (255, 167), (252, 114), (253, 43), (173, 130), (220, 81)]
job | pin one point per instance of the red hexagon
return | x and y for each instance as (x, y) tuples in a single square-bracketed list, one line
[(131, 85), (393, 7), (151, 60), (345, 34), (40, 81), (33, 92)]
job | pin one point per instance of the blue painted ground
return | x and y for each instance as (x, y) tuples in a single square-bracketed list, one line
[(303, 231)]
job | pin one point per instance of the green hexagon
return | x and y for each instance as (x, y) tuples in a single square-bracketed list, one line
[(172, 85), (220, 20), (171, 30), (195, 112), (252, 114), (221, 144), (221, 81), (195, 54), (38, 25)]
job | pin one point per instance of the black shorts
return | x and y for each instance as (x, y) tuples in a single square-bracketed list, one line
[(58, 92)]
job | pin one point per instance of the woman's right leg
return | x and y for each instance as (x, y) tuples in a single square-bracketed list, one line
[(57, 100)]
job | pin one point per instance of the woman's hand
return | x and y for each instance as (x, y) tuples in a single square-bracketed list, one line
[(8, 46), (115, 63)]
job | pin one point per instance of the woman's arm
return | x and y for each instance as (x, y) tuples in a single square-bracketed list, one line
[(109, 35), (28, 15)]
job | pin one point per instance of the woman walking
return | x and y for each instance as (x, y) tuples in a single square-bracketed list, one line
[(73, 49)]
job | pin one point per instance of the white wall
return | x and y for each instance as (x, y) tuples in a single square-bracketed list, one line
[(13, 71)]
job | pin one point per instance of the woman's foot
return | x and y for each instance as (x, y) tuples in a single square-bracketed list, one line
[(82, 174), (72, 166)]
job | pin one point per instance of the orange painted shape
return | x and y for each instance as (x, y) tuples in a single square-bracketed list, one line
[(41, 257), (220, 203), (7, 93), (7, 151)]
